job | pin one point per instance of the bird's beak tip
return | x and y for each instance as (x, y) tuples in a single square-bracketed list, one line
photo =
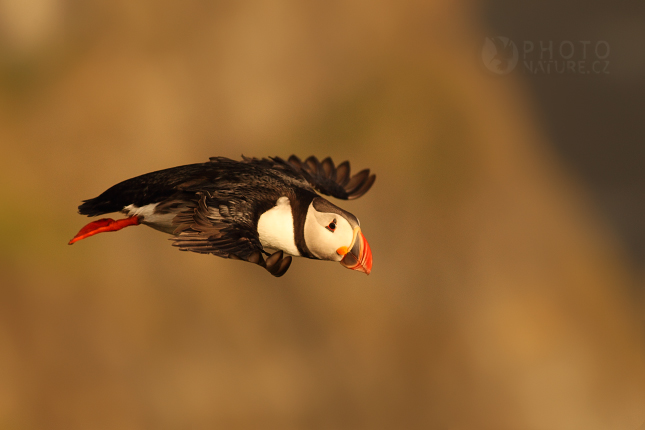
[(359, 257)]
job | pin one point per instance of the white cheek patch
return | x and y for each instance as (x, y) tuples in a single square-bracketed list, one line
[(321, 242), (275, 228)]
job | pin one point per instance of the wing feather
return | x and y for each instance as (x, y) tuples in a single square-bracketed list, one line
[(198, 231), (328, 179)]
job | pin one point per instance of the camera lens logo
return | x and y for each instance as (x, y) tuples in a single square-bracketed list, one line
[(500, 55)]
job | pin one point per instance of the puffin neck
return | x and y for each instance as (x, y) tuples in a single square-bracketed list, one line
[(299, 207)]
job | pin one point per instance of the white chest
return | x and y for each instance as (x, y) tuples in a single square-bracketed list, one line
[(275, 228)]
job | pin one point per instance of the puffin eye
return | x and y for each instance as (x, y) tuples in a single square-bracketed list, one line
[(332, 226)]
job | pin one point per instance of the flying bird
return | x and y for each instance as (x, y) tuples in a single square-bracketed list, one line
[(263, 211)]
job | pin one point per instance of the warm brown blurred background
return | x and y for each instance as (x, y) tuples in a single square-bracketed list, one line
[(506, 221)]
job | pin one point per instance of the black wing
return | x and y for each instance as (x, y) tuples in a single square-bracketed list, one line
[(328, 179), (225, 237), (162, 185)]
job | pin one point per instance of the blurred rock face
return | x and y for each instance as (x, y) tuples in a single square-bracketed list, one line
[(497, 299)]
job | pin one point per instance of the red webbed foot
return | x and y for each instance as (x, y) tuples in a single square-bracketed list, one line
[(103, 225)]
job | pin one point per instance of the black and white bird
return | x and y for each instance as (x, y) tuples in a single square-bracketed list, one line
[(245, 210)]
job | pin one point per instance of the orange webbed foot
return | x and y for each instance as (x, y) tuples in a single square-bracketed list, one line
[(102, 226)]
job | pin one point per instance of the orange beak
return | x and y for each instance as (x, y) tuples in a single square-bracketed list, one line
[(359, 255)]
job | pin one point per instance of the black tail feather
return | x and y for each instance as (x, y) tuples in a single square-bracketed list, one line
[(97, 206)]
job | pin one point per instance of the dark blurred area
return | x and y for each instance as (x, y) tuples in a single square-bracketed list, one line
[(506, 291), (595, 124)]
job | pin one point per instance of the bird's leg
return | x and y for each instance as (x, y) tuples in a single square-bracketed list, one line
[(103, 225)]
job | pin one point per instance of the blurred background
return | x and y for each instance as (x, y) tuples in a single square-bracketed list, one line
[(505, 222)]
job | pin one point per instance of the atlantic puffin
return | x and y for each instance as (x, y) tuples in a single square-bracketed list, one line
[(245, 210)]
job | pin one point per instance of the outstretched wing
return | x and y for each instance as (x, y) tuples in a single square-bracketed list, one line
[(328, 179), (224, 236)]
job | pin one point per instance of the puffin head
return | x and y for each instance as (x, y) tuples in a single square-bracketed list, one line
[(335, 235)]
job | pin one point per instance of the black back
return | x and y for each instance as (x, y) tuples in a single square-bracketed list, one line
[(227, 177)]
